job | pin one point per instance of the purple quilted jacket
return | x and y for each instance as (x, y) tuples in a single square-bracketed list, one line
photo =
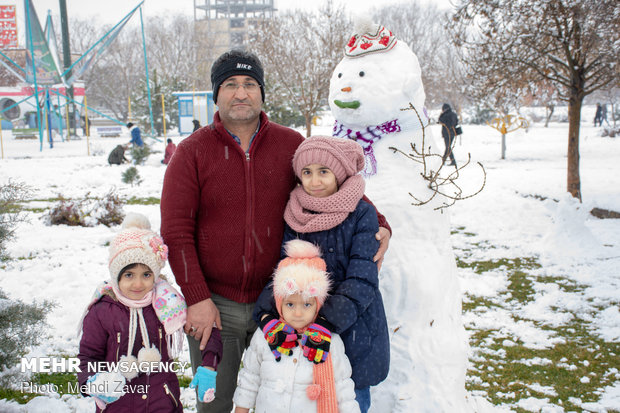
[(105, 338)]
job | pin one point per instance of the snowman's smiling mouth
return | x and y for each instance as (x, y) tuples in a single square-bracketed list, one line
[(347, 105)]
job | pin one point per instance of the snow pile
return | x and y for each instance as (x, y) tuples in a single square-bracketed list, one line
[(569, 235)]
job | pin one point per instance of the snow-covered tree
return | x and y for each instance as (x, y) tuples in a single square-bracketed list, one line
[(299, 51), (159, 85), (176, 51), (423, 28), (542, 93), (179, 51), (111, 80), (573, 44)]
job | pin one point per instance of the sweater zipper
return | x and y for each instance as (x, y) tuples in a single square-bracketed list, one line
[(169, 393), (160, 335), (118, 342), (248, 223)]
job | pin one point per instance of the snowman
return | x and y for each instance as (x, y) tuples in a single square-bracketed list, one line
[(377, 98)]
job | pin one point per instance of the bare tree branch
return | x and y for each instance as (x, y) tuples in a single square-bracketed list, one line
[(446, 186)]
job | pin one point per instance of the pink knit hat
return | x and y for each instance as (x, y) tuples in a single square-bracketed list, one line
[(301, 272), (136, 244), (343, 157)]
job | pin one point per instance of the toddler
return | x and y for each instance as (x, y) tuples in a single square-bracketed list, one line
[(294, 384)]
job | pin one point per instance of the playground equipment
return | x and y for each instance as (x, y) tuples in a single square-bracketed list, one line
[(506, 124), (42, 72)]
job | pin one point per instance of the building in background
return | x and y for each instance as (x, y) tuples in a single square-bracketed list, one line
[(197, 105), (227, 21)]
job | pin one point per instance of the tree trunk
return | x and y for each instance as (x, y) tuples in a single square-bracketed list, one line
[(308, 118), (574, 119), (549, 110), (503, 146)]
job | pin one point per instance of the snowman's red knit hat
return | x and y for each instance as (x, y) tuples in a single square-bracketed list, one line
[(369, 38)]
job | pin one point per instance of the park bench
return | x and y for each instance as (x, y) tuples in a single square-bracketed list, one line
[(106, 128), (25, 133), (109, 131)]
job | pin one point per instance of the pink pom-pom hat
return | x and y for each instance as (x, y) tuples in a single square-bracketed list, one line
[(303, 272)]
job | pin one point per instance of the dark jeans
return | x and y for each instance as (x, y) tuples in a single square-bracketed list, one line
[(237, 330), (449, 144)]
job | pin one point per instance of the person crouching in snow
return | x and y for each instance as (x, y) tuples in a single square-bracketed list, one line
[(294, 384), (134, 324), (327, 209)]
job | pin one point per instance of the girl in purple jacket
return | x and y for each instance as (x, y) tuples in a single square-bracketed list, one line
[(133, 329)]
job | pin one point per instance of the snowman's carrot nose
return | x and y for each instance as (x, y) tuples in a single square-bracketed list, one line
[(346, 89)]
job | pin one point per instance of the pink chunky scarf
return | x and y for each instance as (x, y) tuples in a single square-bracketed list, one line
[(306, 213)]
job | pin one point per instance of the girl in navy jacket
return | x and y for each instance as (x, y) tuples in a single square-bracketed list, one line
[(327, 209)]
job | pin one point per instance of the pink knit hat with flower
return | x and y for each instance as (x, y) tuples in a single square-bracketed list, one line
[(303, 272), (343, 157), (137, 244)]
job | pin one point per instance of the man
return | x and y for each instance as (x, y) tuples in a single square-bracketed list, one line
[(222, 209), (136, 135)]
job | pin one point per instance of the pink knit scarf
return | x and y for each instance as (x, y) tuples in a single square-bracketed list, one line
[(306, 213), (141, 303)]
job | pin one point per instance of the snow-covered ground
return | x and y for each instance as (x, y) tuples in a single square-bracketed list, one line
[(523, 211)]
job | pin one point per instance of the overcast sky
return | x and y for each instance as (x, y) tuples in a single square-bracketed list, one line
[(111, 11)]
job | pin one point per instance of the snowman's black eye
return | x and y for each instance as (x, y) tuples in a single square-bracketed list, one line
[(339, 75), (362, 73)]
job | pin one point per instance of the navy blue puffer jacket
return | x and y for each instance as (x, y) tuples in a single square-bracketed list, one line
[(354, 306)]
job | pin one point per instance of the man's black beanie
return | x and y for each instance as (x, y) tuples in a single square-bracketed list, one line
[(233, 66)]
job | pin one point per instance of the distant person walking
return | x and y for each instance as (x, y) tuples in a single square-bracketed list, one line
[(448, 120), (598, 116), (136, 135), (196, 125), (604, 114)]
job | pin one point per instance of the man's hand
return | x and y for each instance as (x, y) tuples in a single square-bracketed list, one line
[(383, 236), (200, 319)]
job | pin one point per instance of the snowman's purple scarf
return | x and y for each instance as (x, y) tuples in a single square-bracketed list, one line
[(371, 134)]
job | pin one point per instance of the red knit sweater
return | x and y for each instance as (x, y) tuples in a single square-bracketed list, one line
[(222, 210)]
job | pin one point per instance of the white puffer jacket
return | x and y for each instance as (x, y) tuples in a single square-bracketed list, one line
[(280, 387)]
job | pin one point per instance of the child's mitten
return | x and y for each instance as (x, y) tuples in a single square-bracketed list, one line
[(205, 380), (281, 337), (316, 341), (107, 387)]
